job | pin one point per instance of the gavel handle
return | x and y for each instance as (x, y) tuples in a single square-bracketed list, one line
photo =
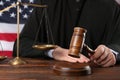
[(88, 49)]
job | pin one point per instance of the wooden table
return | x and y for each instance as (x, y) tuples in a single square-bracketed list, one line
[(40, 69)]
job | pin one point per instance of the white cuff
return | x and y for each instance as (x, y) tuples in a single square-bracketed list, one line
[(114, 52), (49, 53)]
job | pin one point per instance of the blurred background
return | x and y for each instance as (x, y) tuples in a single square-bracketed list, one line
[(8, 27)]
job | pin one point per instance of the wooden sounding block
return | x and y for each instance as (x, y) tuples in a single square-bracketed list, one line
[(76, 46), (72, 69)]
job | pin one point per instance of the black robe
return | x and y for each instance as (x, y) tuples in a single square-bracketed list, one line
[(101, 18)]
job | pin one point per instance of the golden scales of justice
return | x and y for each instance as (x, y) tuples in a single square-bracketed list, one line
[(17, 60), (76, 46)]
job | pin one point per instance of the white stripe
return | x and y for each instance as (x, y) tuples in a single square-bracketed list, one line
[(9, 28), (6, 46)]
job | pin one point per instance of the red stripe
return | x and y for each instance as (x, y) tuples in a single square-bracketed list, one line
[(6, 53), (8, 36)]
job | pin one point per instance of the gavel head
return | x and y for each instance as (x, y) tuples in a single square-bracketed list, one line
[(77, 42)]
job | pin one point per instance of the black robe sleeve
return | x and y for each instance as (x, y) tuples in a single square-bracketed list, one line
[(113, 40)]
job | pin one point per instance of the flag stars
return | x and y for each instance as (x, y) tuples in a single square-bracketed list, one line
[(20, 10), (25, 16), (7, 0), (25, 6), (14, 4), (31, 1), (1, 13), (12, 15), (1, 3), (30, 10)]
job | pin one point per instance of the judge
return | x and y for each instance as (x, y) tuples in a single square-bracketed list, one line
[(101, 18)]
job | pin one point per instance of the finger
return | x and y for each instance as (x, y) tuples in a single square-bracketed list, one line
[(70, 59), (98, 52), (105, 61), (83, 59), (109, 61), (104, 56)]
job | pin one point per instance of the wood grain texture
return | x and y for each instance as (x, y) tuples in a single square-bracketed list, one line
[(40, 69)]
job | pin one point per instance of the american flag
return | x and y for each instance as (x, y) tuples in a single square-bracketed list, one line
[(8, 20)]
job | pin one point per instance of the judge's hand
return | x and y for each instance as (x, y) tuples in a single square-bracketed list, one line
[(61, 54), (103, 56)]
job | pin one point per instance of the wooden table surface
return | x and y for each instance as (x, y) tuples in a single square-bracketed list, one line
[(41, 69)]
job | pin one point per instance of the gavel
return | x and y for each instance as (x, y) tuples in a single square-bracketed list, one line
[(76, 46), (77, 43)]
